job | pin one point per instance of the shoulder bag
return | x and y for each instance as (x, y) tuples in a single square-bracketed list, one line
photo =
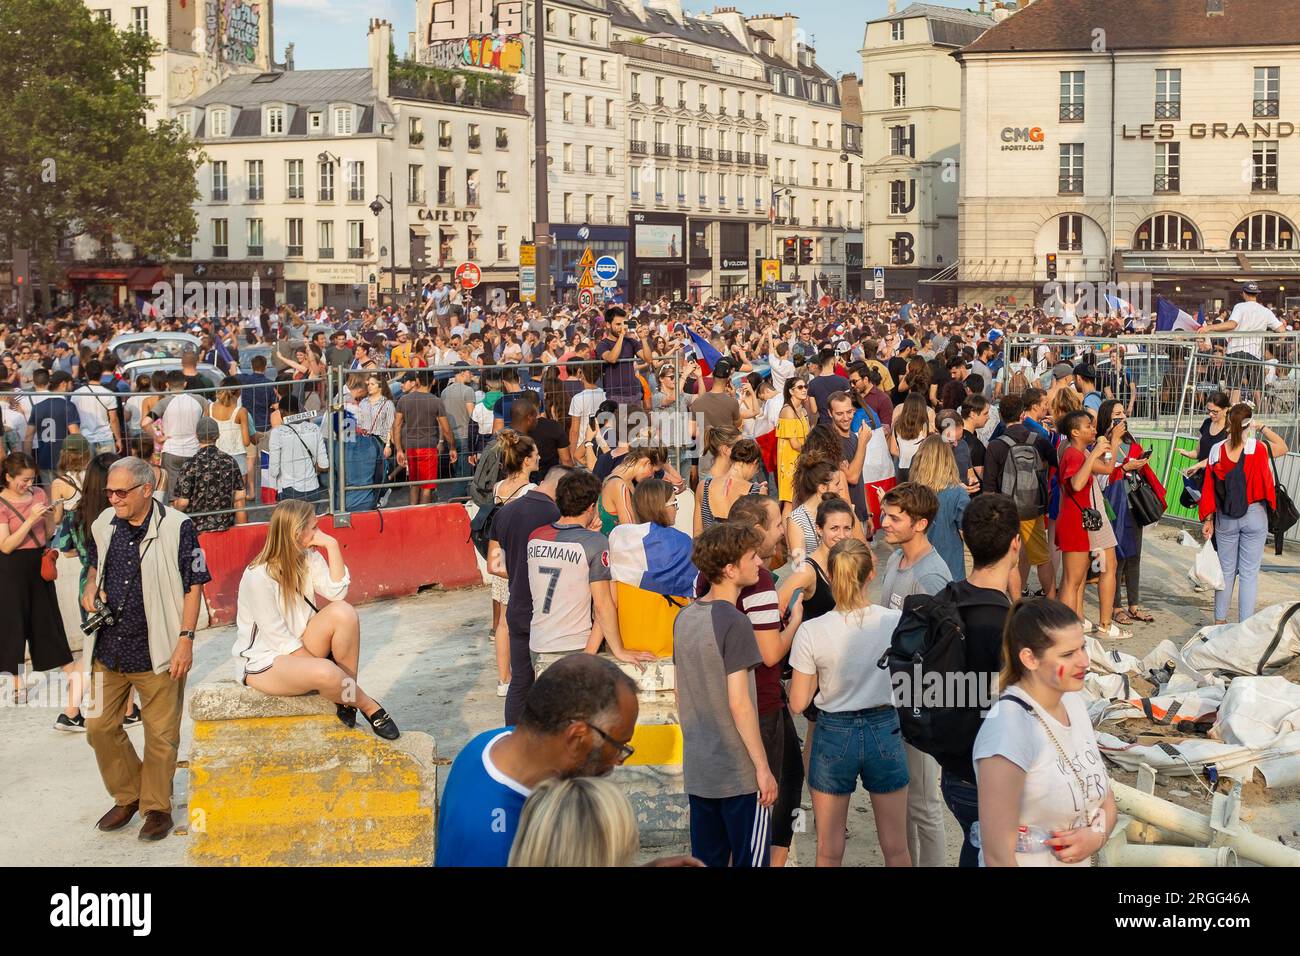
[(1143, 502), (1282, 518)]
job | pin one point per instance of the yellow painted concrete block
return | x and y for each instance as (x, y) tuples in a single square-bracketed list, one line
[(657, 745)]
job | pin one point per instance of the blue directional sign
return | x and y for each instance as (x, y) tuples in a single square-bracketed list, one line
[(606, 267)]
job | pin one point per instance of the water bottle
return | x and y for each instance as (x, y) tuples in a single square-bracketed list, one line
[(1028, 839)]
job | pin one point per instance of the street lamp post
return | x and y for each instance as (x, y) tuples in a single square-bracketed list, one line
[(377, 206), (542, 216)]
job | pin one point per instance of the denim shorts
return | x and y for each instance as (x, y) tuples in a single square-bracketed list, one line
[(865, 744)]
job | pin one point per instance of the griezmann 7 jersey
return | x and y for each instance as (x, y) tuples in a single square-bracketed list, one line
[(563, 561)]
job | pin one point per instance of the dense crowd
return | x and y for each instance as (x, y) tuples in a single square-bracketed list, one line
[(996, 489)]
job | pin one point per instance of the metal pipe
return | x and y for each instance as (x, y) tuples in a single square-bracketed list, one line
[(1178, 417), (1169, 816), (1138, 854)]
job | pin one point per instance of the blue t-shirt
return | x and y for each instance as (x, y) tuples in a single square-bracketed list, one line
[(480, 808), (51, 417), (1092, 401)]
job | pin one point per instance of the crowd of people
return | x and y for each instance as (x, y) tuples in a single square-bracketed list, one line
[(858, 472)]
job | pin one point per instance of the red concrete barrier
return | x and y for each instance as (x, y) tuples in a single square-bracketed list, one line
[(392, 554)]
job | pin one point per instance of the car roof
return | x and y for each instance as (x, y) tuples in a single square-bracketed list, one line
[(129, 337)]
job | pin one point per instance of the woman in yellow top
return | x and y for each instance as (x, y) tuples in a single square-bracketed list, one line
[(791, 430)]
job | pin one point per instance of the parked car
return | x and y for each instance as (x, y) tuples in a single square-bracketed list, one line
[(210, 374), (134, 346)]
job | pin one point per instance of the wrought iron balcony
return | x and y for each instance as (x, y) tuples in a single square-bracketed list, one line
[(706, 154), (1169, 109), (663, 149), (742, 157), (1266, 107), (724, 155), (683, 152), (1167, 184), (637, 147), (1071, 112)]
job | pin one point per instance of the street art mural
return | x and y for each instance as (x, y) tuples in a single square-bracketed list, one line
[(234, 30), (490, 52), (459, 19)]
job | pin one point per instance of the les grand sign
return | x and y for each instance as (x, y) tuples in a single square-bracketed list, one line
[(1256, 130)]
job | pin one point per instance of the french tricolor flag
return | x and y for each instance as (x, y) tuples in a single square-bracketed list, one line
[(1170, 318)]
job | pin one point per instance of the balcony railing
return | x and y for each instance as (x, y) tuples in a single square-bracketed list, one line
[(659, 197), (1169, 109), (758, 117), (446, 197), (778, 137), (1071, 184), (706, 154), (780, 220), (1266, 107), (475, 142), (1264, 183), (683, 152), (681, 104), (758, 204), (663, 149), (220, 252), (740, 114), (255, 193), (356, 195), (356, 252), (1167, 184), (793, 220), (415, 139), (591, 169), (816, 221), (742, 157), (636, 196), (740, 201), (503, 141), (415, 197), (760, 159), (609, 170), (294, 192), (681, 199), (325, 252), (659, 101), (568, 167), (793, 140), (221, 195), (722, 111), (471, 200), (636, 97), (637, 147), (293, 251), (1071, 112), (444, 142), (722, 200), (325, 195), (704, 200), (724, 155)]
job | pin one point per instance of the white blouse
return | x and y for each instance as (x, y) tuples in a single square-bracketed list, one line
[(265, 630)]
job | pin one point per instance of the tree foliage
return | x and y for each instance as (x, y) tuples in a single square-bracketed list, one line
[(75, 156)]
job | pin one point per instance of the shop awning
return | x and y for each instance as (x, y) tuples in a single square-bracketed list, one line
[(98, 275), (1228, 264), (146, 278), (993, 273)]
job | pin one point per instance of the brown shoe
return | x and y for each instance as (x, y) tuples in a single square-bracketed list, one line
[(157, 824), (118, 817)]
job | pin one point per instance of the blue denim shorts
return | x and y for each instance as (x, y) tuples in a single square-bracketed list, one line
[(864, 744)]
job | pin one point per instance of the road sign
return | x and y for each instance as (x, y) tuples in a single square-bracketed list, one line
[(586, 298), (527, 254), (771, 270), (609, 283), (879, 283), (468, 275), (607, 268), (588, 260), (527, 272)]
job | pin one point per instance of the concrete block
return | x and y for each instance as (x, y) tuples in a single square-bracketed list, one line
[(281, 782)]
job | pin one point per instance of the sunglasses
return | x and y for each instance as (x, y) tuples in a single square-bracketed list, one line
[(115, 493), (625, 751)]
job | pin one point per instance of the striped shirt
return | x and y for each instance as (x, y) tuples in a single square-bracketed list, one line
[(758, 602)]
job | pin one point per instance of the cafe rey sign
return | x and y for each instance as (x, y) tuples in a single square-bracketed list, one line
[(446, 215)]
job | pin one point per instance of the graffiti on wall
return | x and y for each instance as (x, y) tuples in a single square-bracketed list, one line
[(458, 19), (489, 52), (234, 30)]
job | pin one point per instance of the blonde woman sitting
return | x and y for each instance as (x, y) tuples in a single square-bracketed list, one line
[(287, 645)]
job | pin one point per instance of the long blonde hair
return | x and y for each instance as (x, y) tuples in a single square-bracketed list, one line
[(582, 821), (851, 565), (934, 465), (285, 559)]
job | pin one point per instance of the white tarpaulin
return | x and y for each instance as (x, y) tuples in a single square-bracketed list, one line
[(1250, 647)]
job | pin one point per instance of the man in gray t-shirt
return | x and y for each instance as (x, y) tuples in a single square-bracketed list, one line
[(916, 568), (458, 400)]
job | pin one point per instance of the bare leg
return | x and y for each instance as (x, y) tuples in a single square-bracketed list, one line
[(336, 631), (76, 688), (831, 812), (1076, 572), (890, 810), (1106, 588), (1047, 579), (503, 652)]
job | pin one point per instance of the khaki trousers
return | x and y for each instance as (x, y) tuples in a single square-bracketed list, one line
[(161, 703)]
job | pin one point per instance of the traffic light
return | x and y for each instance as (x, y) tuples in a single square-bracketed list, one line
[(805, 252), (22, 267), (790, 251), (1051, 265)]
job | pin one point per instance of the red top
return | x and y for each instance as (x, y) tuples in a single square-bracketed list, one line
[(1259, 475), (12, 521), (1136, 451)]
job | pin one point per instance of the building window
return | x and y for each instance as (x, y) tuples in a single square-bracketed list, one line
[(560, 60), (1168, 156), (343, 121), (293, 175), (105, 16), (325, 181), (659, 184), (568, 157), (722, 189), (220, 238), (314, 122), (1264, 232), (474, 139), (503, 246), (589, 208), (568, 207), (609, 209), (293, 230), (274, 120), (356, 238), (896, 30), (573, 26), (140, 19), (254, 238), (1169, 94), (604, 70), (444, 134), (356, 172), (415, 185), (1071, 168), (219, 123), (902, 141), (185, 120), (1267, 86), (325, 239), (609, 160), (582, 66), (1069, 233), (471, 188), (634, 87), (589, 111), (550, 21), (566, 102), (592, 28), (220, 183), (1167, 232), (899, 82), (704, 189), (253, 171), (609, 114), (503, 138), (503, 181), (1264, 161), (415, 130), (1072, 96)]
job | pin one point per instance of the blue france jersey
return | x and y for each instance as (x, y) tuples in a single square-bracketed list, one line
[(480, 808)]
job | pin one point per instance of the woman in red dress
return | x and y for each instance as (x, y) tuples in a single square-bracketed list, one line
[(1079, 468)]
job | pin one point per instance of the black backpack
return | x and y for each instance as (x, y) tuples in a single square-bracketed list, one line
[(930, 639), (1022, 478)]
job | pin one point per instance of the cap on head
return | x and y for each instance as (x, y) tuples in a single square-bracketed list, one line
[(1085, 372), (1251, 288), (1062, 370)]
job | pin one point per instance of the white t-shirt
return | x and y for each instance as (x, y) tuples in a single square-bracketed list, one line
[(1051, 798), (1251, 317), (782, 372), (586, 403), (842, 650), (765, 420), (94, 404), (180, 415)]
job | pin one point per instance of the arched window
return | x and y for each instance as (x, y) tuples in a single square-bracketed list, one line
[(1166, 232), (1264, 231)]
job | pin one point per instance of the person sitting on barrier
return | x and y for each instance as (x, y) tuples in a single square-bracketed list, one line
[(1042, 781), (287, 645), (577, 721)]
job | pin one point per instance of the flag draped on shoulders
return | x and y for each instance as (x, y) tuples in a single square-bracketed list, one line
[(652, 558)]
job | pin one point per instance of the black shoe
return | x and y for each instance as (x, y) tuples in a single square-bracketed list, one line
[(383, 725), (71, 724), (346, 714), (131, 719)]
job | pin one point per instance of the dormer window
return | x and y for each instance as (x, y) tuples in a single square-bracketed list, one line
[(315, 122), (219, 122), (342, 121), (275, 120), (185, 119)]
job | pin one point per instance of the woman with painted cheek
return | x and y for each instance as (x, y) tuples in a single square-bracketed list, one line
[(1044, 795)]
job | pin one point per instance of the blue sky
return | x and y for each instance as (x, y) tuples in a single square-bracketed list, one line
[(332, 33)]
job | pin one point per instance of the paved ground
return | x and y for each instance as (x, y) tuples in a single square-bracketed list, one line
[(429, 660)]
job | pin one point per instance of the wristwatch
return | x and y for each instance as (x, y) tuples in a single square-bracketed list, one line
[(189, 634)]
